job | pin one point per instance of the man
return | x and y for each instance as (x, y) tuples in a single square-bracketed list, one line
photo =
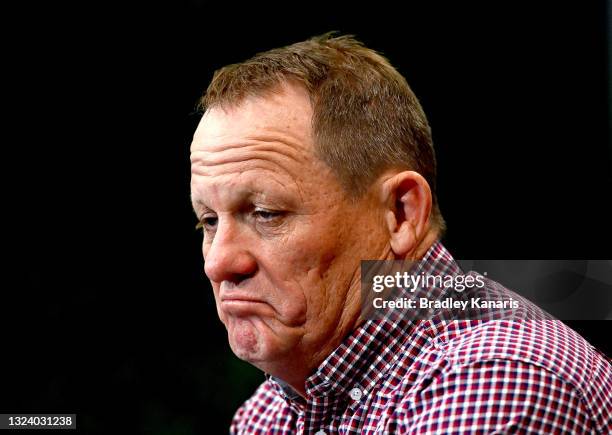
[(307, 160)]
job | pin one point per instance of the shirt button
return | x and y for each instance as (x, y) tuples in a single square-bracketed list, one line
[(356, 394)]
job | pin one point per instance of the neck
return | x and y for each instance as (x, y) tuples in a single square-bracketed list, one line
[(424, 244)]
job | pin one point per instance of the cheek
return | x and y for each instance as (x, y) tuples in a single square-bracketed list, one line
[(324, 285), (289, 301), (310, 274), (292, 280), (337, 273)]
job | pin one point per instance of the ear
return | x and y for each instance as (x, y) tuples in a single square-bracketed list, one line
[(408, 205)]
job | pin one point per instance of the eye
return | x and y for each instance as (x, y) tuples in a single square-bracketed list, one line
[(266, 216), (207, 223)]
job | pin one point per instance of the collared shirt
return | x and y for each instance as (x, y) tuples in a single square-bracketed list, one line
[(398, 374)]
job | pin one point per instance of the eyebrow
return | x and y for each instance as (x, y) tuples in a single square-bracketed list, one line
[(199, 202), (195, 202), (277, 198)]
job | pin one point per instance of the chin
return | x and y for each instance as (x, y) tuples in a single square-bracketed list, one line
[(251, 341), (245, 342)]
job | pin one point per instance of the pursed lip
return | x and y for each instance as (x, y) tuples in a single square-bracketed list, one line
[(240, 298)]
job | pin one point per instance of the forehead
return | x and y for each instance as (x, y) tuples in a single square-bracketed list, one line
[(284, 114), (264, 144)]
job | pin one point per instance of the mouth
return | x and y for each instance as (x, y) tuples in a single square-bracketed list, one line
[(238, 306), (240, 298), (238, 301)]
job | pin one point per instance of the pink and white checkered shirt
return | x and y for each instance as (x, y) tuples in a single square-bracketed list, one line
[(396, 375)]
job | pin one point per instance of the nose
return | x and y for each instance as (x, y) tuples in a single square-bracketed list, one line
[(228, 258)]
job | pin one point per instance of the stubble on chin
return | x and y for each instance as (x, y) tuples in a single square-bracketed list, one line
[(244, 339)]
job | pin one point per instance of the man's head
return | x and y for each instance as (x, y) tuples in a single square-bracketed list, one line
[(307, 160)]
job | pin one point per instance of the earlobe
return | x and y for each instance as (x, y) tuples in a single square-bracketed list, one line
[(403, 240)]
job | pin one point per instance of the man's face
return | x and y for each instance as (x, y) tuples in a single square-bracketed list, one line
[(282, 242)]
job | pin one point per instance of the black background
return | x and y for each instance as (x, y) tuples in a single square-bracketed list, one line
[(105, 309)]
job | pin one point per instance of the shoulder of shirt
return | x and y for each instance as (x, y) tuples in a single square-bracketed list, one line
[(548, 344)]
